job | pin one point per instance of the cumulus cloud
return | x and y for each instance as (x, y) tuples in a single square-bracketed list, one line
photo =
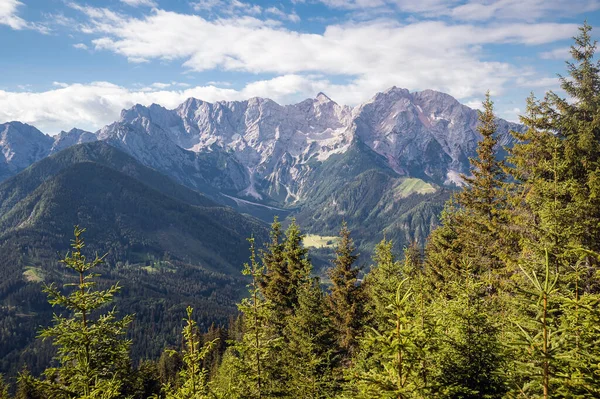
[(372, 56), (80, 46), (349, 61), (91, 106)]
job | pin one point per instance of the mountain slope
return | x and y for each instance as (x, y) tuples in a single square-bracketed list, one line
[(169, 246), (358, 187), (15, 189), (123, 203)]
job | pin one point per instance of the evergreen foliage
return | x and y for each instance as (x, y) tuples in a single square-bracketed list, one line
[(346, 300), (193, 377), (251, 368), (93, 356), (390, 368), (471, 355), (309, 351)]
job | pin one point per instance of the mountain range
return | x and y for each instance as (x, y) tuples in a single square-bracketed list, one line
[(260, 150), (172, 195), (263, 158)]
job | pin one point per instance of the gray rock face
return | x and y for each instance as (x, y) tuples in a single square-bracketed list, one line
[(72, 137), (263, 151), (425, 134), (20, 146)]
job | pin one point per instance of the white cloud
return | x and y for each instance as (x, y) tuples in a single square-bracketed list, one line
[(227, 7), (293, 17), (9, 16), (159, 85), (80, 46), (91, 106), (475, 104), (139, 3), (372, 56), (562, 53), (476, 10)]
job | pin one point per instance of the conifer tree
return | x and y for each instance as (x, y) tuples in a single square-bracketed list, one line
[(309, 351), (473, 223), (443, 249), (3, 388), (346, 301), (482, 199), (252, 363), (275, 280), (557, 206), (538, 335), (389, 366), (580, 323), (381, 283), (296, 260), (93, 356), (26, 388), (287, 268), (193, 377), (470, 361)]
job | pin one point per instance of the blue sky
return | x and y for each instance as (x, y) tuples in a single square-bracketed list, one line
[(77, 63)]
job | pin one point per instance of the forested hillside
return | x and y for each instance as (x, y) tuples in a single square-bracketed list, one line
[(504, 301), (163, 242)]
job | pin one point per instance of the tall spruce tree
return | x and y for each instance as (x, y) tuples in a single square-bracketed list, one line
[(473, 221), (298, 266), (390, 359), (381, 283), (538, 336), (346, 300), (193, 377), (557, 165), (309, 352), (93, 356), (470, 361), (275, 280), (480, 194), (482, 200), (252, 369)]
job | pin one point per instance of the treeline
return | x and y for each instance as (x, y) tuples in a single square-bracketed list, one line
[(503, 303)]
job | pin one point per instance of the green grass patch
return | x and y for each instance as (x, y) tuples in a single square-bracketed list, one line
[(411, 185), (317, 241), (33, 274), (157, 266)]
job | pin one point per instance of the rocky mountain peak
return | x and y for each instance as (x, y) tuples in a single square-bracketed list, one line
[(260, 149), (323, 98), (20, 146)]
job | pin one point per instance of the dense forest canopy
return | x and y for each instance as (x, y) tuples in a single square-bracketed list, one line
[(502, 303)]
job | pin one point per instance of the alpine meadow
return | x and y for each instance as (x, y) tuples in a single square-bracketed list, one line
[(225, 245)]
